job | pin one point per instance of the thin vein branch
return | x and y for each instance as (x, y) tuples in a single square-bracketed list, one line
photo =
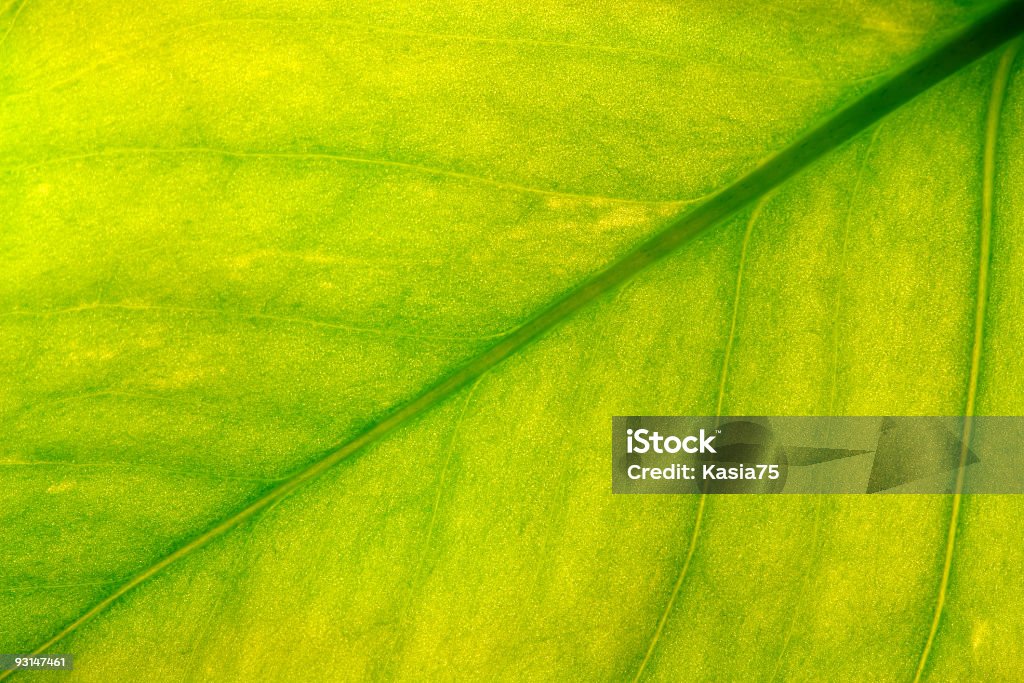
[(999, 82), (112, 152), (695, 533)]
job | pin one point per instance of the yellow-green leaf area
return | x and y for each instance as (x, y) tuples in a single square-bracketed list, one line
[(238, 236)]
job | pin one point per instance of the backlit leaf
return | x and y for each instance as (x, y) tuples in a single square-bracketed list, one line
[(240, 236)]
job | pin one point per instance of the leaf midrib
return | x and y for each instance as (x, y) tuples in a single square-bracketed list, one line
[(972, 43)]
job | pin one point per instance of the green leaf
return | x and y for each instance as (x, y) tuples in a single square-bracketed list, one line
[(313, 319)]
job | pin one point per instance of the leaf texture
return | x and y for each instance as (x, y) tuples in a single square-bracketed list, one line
[(239, 237)]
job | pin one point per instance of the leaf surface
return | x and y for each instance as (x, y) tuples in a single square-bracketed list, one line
[(236, 238)]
